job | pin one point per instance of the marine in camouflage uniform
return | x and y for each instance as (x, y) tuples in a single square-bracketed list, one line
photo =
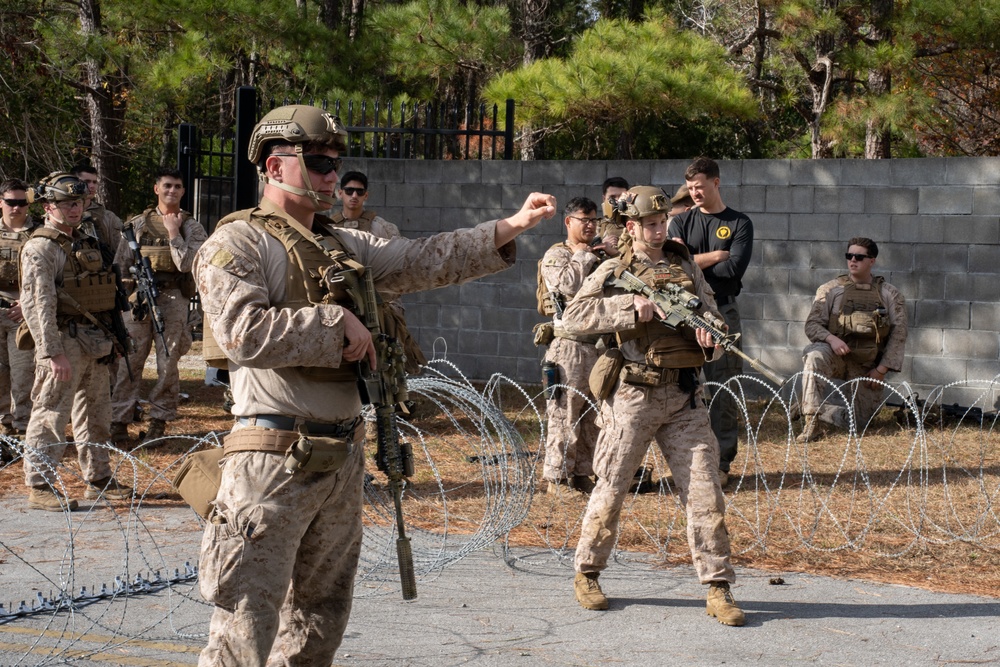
[(571, 431), (280, 551), (17, 367), (858, 329), (71, 350), (611, 229), (170, 238), (656, 398)]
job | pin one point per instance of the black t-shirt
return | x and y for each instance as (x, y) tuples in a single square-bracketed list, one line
[(705, 232)]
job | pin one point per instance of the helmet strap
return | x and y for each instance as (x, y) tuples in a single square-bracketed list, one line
[(318, 199)]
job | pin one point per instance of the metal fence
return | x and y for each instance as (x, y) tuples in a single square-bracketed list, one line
[(218, 178)]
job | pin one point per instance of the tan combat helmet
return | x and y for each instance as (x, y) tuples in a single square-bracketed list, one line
[(298, 125), (643, 200), (60, 186)]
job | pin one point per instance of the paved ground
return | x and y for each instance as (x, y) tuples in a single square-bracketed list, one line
[(480, 611)]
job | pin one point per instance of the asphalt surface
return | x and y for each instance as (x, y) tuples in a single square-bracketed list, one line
[(483, 610)]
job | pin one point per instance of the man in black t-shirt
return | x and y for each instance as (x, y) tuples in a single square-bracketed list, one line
[(721, 240)]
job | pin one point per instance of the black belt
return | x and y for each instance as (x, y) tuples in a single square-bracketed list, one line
[(284, 423)]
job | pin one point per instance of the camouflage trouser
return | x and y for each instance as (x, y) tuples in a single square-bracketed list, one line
[(630, 418), (724, 414), (820, 358), (163, 397), (280, 567), (572, 432), (85, 398), (17, 374)]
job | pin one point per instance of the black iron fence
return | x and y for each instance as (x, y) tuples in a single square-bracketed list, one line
[(219, 179)]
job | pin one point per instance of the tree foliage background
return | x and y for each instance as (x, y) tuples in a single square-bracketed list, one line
[(107, 81)]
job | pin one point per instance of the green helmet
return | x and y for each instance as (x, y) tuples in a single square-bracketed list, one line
[(642, 201), (297, 124), (60, 186)]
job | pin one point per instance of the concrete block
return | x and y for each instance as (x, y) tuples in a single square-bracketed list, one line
[(789, 309), (514, 195), (892, 257), (451, 316), (411, 194), (985, 316), (815, 172), (529, 374), (802, 199), (803, 284), (785, 360), (501, 365), (873, 226), (478, 195), (774, 281), (483, 343), (966, 287), (547, 172), (897, 201), (422, 315), (502, 319), (636, 172), (938, 370), (948, 200), (730, 172), (986, 200), (984, 259), (783, 253), (669, 174), (778, 199), (770, 226), (813, 227), (941, 314), (462, 171), (766, 172), (867, 173), (984, 373), (971, 344), (587, 173), (973, 171), (947, 258), (419, 220), (448, 195), (376, 196), (918, 171), (766, 334), (423, 171), (384, 170), (461, 218), (501, 172), (752, 199), (751, 306), (797, 339), (965, 229), (917, 229)]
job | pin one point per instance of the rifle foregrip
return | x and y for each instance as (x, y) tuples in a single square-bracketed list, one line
[(407, 577)]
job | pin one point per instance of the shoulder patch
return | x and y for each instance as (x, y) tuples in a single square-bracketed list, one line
[(222, 258)]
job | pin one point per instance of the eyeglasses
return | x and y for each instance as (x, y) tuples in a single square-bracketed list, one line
[(321, 164), (585, 221), (70, 204), (14, 203), (857, 257), (355, 191)]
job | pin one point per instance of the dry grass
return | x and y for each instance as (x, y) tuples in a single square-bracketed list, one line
[(894, 506)]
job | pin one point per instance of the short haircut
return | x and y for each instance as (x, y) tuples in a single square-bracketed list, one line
[(13, 184), (870, 246), (614, 182), (702, 165), (354, 176), (579, 205), (168, 172), (84, 169)]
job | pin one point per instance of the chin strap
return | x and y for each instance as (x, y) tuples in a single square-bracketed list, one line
[(321, 201)]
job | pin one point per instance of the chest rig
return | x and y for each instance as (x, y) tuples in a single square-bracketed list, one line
[(85, 278), (11, 243), (363, 223), (545, 297), (666, 347), (155, 242), (862, 321), (310, 260)]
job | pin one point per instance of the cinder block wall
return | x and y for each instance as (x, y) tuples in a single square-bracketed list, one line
[(937, 223)]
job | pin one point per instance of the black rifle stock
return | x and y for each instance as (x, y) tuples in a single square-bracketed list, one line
[(384, 387), (681, 307), (145, 286)]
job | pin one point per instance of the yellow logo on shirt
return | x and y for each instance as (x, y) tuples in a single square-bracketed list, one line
[(723, 233)]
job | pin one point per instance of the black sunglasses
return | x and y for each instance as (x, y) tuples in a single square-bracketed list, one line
[(15, 202), (321, 164), (857, 257), (355, 191)]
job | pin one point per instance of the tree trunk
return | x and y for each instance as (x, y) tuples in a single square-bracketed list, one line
[(356, 19), (537, 42), (878, 140), (330, 14)]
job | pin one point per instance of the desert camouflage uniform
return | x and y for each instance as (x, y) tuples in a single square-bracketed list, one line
[(632, 416), (280, 555), (572, 431), (17, 367), (102, 224), (87, 394), (164, 396), (818, 357)]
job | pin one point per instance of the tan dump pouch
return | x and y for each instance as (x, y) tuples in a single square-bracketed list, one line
[(544, 333), (210, 349), (198, 479), (604, 375), (23, 339)]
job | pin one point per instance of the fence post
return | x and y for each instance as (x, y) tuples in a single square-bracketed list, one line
[(245, 172), (508, 132), (187, 149)]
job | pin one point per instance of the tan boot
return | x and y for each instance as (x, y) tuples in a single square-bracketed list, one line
[(157, 429), (809, 431), (110, 488), (722, 605), (48, 499), (561, 487), (588, 592), (583, 484), (723, 478), (119, 433)]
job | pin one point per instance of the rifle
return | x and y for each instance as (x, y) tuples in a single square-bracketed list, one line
[(681, 307), (124, 345), (145, 286), (384, 387)]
